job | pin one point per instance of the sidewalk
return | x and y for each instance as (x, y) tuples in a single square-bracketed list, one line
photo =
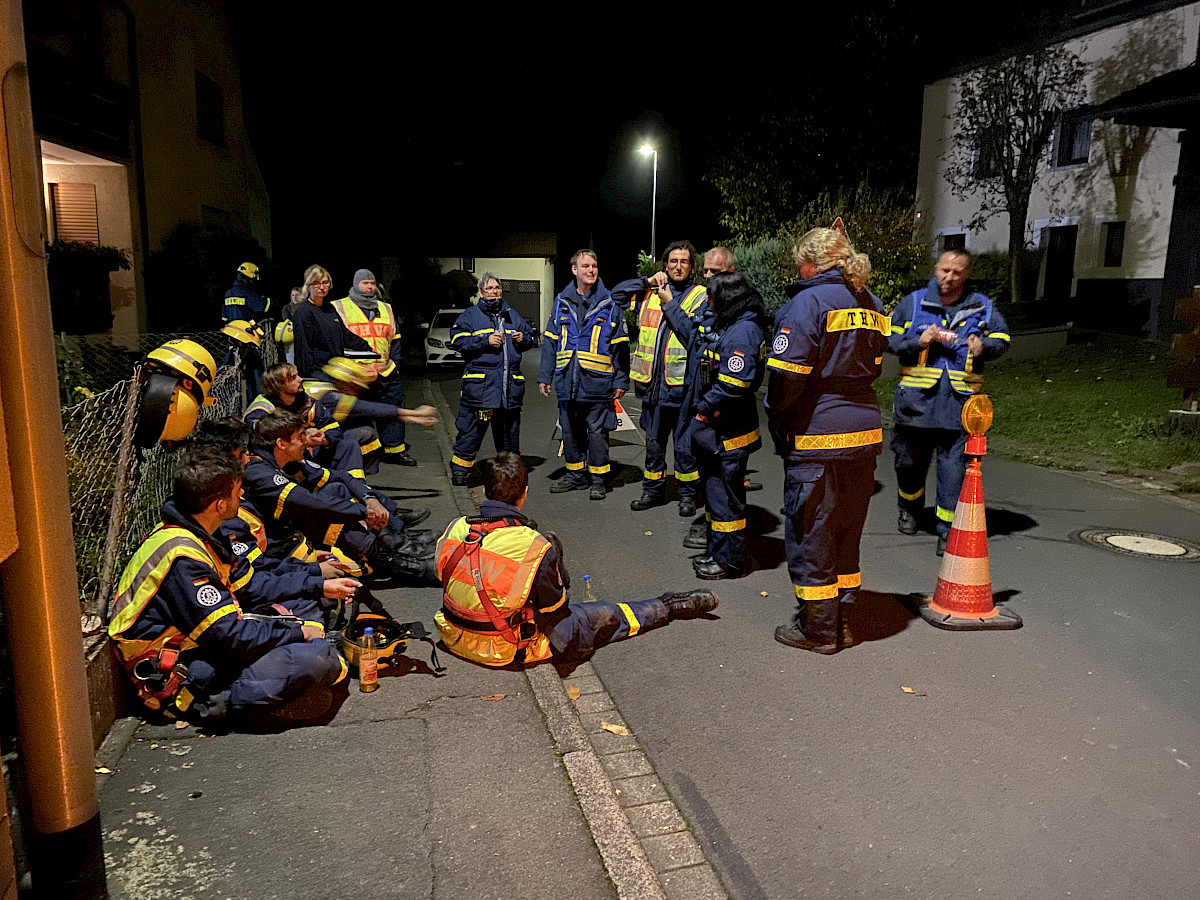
[(480, 783)]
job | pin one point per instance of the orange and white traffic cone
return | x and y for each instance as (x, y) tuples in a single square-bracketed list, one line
[(963, 600)]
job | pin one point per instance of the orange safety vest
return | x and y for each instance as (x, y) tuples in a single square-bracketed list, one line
[(674, 354), (487, 571), (379, 333)]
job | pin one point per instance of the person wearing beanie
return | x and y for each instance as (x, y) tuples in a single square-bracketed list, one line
[(368, 317)]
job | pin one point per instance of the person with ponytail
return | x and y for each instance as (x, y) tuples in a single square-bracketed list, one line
[(824, 419), (724, 425)]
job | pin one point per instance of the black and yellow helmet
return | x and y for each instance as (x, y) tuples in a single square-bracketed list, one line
[(285, 332), (190, 362), (243, 331), (249, 269), (167, 411), (390, 637), (350, 371)]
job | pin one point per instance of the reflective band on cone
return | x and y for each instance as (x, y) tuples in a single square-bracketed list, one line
[(963, 600)]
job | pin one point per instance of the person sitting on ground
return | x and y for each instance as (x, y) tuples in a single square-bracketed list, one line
[(177, 625), (331, 509), (505, 593)]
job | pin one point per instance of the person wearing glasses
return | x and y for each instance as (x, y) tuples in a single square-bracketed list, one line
[(317, 331)]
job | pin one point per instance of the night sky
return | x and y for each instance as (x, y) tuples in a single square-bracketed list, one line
[(378, 137)]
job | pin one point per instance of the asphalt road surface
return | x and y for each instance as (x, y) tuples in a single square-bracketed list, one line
[(1058, 760)]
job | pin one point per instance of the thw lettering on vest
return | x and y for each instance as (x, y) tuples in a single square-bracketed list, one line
[(850, 319), (374, 329)]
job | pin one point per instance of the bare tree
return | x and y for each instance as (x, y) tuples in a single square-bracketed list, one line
[(1004, 119)]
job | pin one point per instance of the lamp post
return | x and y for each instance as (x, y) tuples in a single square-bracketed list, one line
[(647, 150)]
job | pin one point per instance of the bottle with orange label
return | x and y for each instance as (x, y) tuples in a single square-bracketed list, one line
[(368, 664)]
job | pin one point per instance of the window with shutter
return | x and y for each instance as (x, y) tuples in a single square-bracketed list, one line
[(73, 209)]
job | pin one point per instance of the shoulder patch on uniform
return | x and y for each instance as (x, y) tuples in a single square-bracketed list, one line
[(239, 548), (736, 364), (279, 479), (208, 596), (781, 343)]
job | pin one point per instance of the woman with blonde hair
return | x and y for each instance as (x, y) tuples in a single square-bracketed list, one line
[(826, 352), (316, 327)]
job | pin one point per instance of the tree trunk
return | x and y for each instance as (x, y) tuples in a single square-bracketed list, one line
[(1016, 244)]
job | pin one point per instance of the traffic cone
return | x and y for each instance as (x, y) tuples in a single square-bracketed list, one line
[(962, 600)]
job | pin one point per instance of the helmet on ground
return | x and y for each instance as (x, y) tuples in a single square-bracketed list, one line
[(249, 269), (168, 411), (348, 370), (244, 331), (187, 360), (284, 332), (390, 638)]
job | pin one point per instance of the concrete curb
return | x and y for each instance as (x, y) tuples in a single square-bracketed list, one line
[(645, 844)]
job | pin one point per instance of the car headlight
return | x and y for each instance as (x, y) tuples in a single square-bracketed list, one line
[(434, 342)]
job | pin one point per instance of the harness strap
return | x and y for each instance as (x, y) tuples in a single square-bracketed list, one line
[(470, 547)]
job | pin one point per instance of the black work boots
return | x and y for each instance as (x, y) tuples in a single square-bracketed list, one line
[(689, 604)]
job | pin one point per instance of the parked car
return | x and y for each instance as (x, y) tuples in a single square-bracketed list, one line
[(437, 338)]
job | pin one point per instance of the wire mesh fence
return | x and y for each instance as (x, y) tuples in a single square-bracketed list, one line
[(117, 489)]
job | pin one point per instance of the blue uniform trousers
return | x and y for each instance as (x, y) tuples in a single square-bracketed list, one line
[(284, 673), (506, 434), (388, 389), (585, 427), (660, 423), (913, 449), (723, 477), (826, 506), (369, 446), (579, 629), (343, 455)]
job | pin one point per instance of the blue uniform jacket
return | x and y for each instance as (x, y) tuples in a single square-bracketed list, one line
[(242, 302), (290, 501), (827, 350), (492, 378), (731, 371), (586, 351), (932, 394), (193, 598)]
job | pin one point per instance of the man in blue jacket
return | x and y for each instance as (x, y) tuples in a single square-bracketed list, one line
[(491, 336), (942, 333), (243, 301), (662, 367), (586, 357)]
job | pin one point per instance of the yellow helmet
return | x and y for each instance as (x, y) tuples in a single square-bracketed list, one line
[(244, 331), (284, 332), (168, 411), (188, 360), (249, 269), (348, 370)]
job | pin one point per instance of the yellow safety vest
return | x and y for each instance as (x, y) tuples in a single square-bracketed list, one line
[(508, 560), (139, 583), (641, 368), (379, 333)]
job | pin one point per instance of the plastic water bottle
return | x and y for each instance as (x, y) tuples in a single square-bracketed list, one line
[(588, 590), (368, 665)]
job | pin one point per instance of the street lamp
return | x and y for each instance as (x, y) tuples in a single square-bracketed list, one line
[(647, 150)]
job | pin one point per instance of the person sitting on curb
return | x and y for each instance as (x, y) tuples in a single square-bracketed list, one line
[(505, 593), (179, 631)]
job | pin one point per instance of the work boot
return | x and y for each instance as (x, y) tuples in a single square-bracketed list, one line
[(715, 571), (395, 546), (421, 536), (647, 501), (568, 484), (702, 560), (598, 492), (791, 635), (400, 459), (688, 604), (687, 506), (458, 479), (401, 564), (943, 540), (907, 523), (411, 517), (697, 536)]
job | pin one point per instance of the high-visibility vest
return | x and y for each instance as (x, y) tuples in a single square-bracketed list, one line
[(379, 333), (139, 583), (487, 571), (674, 354)]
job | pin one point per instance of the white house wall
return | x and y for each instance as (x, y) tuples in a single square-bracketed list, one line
[(1088, 197), (514, 268)]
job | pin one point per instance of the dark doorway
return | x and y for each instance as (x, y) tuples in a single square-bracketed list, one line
[(525, 297), (1060, 261), (1182, 269)]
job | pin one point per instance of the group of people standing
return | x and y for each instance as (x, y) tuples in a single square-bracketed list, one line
[(699, 355)]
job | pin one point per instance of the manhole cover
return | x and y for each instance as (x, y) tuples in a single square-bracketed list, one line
[(1139, 543)]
